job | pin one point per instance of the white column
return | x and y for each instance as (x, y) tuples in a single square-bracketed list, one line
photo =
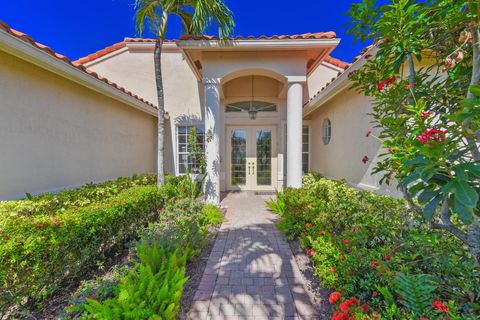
[(294, 134), (212, 140)]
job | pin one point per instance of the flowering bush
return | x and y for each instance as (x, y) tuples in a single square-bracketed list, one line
[(371, 248)]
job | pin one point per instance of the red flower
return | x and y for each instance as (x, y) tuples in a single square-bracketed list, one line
[(332, 269), (440, 306), (386, 83), (352, 230), (375, 264), (408, 86), (365, 308), (321, 232), (308, 225), (346, 241), (302, 234), (425, 114), (423, 318), (341, 316), (57, 223), (334, 297), (432, 136), (365, 159), (388, 257), (369, 132), (345, 306), (380, 85), (375, 293), (310, 252), (309, 206)]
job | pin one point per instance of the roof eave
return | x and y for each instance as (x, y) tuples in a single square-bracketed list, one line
[(229, 45), (42, 59), (338, 85)]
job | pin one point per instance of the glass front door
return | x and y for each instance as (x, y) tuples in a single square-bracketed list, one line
[(250, 158)]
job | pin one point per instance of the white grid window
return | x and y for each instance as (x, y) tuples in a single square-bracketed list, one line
[(188, 161), (305, 149)]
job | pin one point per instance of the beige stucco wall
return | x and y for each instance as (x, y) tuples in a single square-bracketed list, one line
[(57, 134), (319, 77), (342, 157), (133, 68)]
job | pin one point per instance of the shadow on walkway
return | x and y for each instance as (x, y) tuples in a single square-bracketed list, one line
[(251, 272)]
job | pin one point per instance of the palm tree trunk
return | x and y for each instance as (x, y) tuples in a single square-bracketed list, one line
[(161, 111)]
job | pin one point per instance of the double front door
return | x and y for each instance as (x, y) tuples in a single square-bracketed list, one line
[(251, 158)]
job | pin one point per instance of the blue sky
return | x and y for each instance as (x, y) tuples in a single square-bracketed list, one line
[(77, 28)]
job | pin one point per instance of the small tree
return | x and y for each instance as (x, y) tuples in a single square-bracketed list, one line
[(424, 80), (196, 17)]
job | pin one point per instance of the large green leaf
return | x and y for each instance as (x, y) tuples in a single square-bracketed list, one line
[(475, 89), (431, 207), (465, 194), (465, 214), (427, 195)]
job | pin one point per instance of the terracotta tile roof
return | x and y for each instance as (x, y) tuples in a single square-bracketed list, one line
[(100, 53), (318, 35), (31, 41), (337, 62), (346, 68)]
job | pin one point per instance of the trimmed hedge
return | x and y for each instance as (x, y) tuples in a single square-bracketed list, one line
[(41, 251)]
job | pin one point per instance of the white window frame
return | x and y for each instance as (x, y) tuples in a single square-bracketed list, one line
[(177, 143), (326, 135)]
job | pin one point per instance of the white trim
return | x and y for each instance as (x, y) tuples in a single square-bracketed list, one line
[(42, 59), (258, 44)]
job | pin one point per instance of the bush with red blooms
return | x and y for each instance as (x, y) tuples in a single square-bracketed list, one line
[(360, 244), (423, 78)]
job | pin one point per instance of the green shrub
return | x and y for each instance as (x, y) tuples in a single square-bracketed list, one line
[(40, 252), (151, 290), (211, 216), (48, 203), (361, 242)]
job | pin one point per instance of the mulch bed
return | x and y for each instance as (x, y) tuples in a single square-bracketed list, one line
[(318, 295), (195, 271)]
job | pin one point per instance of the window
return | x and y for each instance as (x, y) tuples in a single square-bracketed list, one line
[(327, 131), (188, 161), (306, 149)]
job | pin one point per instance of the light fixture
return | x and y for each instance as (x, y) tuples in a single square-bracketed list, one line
[(252, 111)]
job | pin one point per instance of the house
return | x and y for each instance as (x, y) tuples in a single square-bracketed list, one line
[(265, 110)]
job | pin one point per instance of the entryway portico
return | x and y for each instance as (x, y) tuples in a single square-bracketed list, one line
[(254, 92)]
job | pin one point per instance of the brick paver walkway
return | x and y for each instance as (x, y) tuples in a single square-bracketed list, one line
[(251, 272)]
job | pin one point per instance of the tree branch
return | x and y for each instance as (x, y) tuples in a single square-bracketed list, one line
[(411, 204), (445, 217)]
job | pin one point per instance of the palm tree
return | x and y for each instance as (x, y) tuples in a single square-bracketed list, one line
[(196, 17)]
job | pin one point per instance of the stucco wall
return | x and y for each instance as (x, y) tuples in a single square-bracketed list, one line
[(342, 157), (56, 134), (318, 78), (133, 68)]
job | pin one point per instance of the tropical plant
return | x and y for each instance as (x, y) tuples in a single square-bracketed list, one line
[(424, 77), (196, 17), (151, 290)]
